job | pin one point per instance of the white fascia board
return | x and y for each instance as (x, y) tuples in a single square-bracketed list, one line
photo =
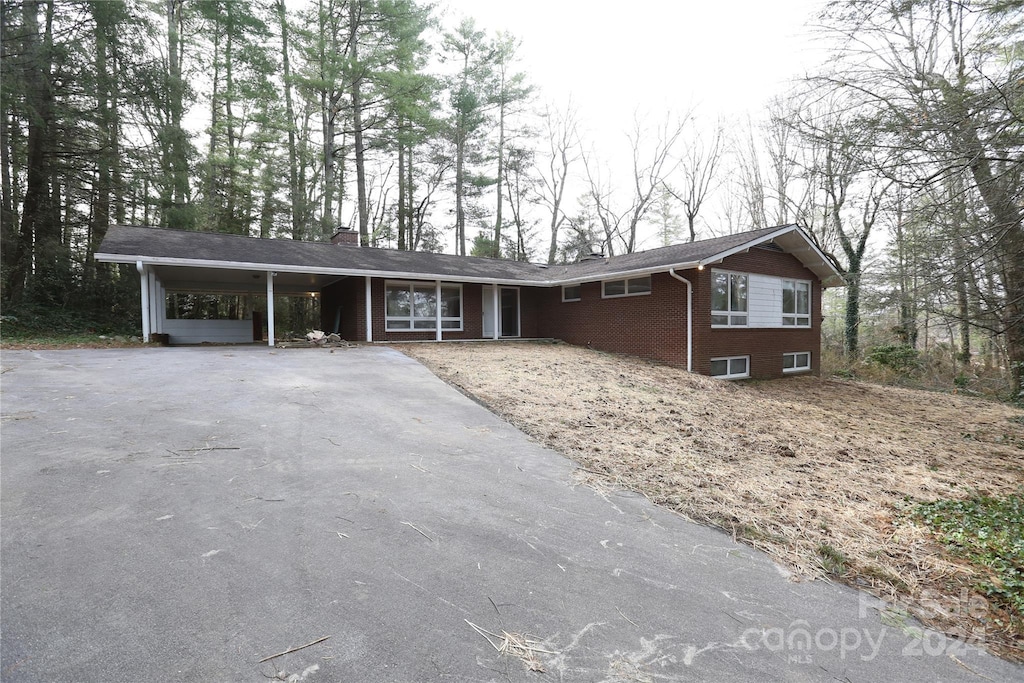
[(397, 275), (388, 274), (241, 265), (747, 245), (619, 274), (785, 230)]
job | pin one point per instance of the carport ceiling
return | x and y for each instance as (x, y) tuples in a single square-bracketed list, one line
[(232, 281)]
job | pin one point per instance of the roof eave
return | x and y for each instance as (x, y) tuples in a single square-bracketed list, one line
[(821, 265), (831, 278), (637, 272), (283, 268)]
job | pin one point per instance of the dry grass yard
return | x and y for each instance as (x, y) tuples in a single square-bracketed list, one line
[(822, 474)]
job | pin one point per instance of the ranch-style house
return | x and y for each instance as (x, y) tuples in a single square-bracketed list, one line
[(739, 306)]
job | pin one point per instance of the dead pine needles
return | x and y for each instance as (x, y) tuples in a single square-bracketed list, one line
[(515, 645)]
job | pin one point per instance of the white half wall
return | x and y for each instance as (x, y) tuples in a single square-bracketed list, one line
[(764, 301), (213, 331)]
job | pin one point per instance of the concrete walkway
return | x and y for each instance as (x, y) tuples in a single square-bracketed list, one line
[(182, 514)]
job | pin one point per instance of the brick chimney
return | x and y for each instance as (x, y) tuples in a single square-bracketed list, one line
[(346, 236)]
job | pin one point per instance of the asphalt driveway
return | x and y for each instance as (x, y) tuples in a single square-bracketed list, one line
[(182, 514)]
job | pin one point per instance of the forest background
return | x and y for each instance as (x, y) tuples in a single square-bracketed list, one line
[(900, 151)]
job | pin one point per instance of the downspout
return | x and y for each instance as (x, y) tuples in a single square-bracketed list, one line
[(144, 280), (689, 317)]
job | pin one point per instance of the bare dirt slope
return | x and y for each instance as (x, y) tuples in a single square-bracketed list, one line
[(820, 473)]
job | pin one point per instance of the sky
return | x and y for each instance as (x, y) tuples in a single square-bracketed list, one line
[(626, 58), (725, 58)]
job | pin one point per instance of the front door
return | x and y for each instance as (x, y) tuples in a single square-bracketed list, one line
[(508, 311)]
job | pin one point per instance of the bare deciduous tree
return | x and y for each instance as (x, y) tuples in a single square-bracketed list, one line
[(699, 166), (563, 150), (652, 163)]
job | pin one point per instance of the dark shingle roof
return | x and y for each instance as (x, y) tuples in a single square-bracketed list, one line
[(663, 257), (130, 243), (218, 248)]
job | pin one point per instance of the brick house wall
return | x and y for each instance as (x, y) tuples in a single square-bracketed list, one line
[(765, 346), (654, 326), (649, 326)]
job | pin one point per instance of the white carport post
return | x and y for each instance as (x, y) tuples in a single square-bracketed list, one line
[(270, 308), (369, 311), (496, 301), (437, 309), (144, 280), (154, 304)]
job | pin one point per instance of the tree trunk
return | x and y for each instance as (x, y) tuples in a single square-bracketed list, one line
[(1008, 227), (401, 185), (357, 125), (114, 129), (460, 217), (553, 246), (960, 275), (8, 216), (327, 126), (851, 327), (213, 169), (267, 207), (177, 213), (105, 160), (501, 169), (411, 243), (294, 198), (39, 234), (232, 222)]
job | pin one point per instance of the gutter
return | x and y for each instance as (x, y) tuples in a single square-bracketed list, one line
[(386, 274), (689, 317), (282, 268)]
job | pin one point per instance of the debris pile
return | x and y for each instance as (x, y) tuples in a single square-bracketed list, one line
[(316, 338)]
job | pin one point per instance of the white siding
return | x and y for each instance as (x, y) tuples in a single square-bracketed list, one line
[(764, 301), (215, 331)]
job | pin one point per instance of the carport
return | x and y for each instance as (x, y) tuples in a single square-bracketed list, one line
[(180, 261), (159, 279)]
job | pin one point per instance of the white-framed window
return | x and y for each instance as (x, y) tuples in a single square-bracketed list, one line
[(796, 303), (634, 286), (571, 292), (796, 362), (734, 367), (728, 298), (412, 306)]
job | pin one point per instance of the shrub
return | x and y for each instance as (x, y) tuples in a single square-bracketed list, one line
[(899, 357)]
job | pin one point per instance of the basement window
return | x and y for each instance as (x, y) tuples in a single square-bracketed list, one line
[(571, 293), (412, 306), (796, 362), (735, 367), (634, 286)]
